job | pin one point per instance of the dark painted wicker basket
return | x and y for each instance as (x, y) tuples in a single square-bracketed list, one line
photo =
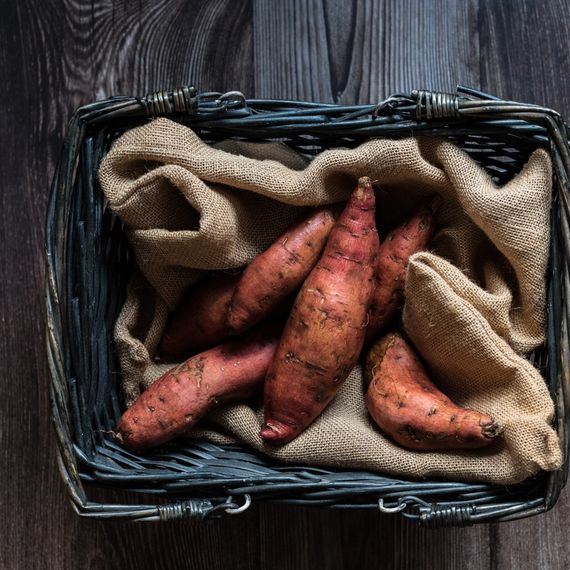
[(88, 263)]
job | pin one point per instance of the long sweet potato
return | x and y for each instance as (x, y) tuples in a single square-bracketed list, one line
[(409, 408), (323, 336), (175, 402), (198, 321), (394, 253), (274, 274)]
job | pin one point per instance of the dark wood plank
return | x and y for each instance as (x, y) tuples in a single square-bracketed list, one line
[(524, 51), (55, 56), (359, 52), (524, 56), (58, 54), (31, 490)]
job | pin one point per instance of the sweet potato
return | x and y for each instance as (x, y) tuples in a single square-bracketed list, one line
[(176, 401), (323, 336), (198, 321), (395, 251), (277, 272), (409, 408)]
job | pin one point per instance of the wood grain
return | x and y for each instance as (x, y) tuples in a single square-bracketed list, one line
[(58, 54)]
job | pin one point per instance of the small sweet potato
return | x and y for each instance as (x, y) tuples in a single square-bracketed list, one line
[(198, 321), (409, 408), (175, 402), (277, 272), (394, 253), (323, 336)]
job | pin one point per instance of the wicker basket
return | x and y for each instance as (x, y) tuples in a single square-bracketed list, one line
[(88, 264)]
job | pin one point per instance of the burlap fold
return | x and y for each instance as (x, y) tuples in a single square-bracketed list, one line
[(475, 302)]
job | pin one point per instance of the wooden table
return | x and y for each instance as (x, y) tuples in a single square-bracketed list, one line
[(56, 55)]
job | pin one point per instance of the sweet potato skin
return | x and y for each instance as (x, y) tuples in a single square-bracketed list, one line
[(394, 253), (277, 272), (175, 402), (198, 321), (409, 408), (323, 336)]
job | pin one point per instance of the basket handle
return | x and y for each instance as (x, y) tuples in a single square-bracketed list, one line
[(466, 103), (186, 100), (191, 509), (179, 100), (194, 509)]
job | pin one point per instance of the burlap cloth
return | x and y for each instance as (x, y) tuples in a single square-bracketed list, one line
[(475, 302)]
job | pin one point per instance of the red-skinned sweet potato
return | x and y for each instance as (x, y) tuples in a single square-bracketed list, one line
[(198, 321), (325, 331), (277, 272), (175, 402), (409, 408), (394, 253)]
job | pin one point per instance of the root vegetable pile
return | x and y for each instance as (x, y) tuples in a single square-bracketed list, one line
[(340, 288)]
